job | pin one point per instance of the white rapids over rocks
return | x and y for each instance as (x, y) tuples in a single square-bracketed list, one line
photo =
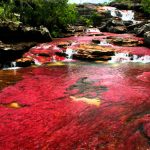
[(125, 57)]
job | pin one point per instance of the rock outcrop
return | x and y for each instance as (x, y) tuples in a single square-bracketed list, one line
[(12, 32), (142, 29), (11, 52), (147, 38), (93, 52), (16, 39), (129, 42)]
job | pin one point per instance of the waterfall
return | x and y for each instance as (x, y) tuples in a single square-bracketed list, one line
[(36, 62), (125, 15), (120, 57), (124, 57), (104, 42), (69, 53), (13, 64)]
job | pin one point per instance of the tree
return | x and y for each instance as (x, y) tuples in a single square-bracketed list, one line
[(54, 14)]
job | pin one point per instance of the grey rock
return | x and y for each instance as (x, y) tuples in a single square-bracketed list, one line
[(147, 38), (143, 29)]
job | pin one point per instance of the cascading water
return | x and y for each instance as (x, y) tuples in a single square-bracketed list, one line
[(104, 42), (36, 62), (125, 57), (125, 15), (13, 64), (69, 52)]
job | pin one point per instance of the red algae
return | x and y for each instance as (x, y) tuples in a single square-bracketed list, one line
[(144, 77), (55, 51), (51, 119)]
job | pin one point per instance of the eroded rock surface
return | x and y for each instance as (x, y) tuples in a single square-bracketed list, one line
[(93, 52)]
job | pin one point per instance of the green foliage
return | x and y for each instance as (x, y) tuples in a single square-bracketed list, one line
[(146, 5), (96, 18), (86, 21), (53, 14)]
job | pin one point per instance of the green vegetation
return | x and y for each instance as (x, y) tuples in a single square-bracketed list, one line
[(54, 14), (93, 20), (146, 5), (86, 21)]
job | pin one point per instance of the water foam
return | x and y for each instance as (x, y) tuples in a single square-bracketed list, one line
[(125, 57)]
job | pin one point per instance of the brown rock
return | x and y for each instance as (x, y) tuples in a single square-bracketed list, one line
[(11, 52), (24, 62), (64, 44), (130, 42), (93, 52)]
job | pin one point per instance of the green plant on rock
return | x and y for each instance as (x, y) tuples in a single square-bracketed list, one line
[(86, 21)]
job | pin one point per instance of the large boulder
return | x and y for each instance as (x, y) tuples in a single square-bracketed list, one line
[(16, 32), (114, 25), (92, 52), (117, 29), (147, 38), (16, 39), (11, 52), (142, 29)]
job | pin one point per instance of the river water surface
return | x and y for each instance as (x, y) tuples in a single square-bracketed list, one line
[(78, 105)]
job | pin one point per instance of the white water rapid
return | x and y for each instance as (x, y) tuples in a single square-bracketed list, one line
[(124, 57)]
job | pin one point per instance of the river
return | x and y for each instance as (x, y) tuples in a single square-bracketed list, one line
[(65, 104), (78, 105)]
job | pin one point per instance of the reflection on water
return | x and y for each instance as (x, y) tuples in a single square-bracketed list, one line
[(9, 77)]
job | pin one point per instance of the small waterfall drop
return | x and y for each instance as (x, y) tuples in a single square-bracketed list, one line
[(120, 57), (36, 62), (13, 64), (104, 42), (124, 57), (125, 15), (69, 52)]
